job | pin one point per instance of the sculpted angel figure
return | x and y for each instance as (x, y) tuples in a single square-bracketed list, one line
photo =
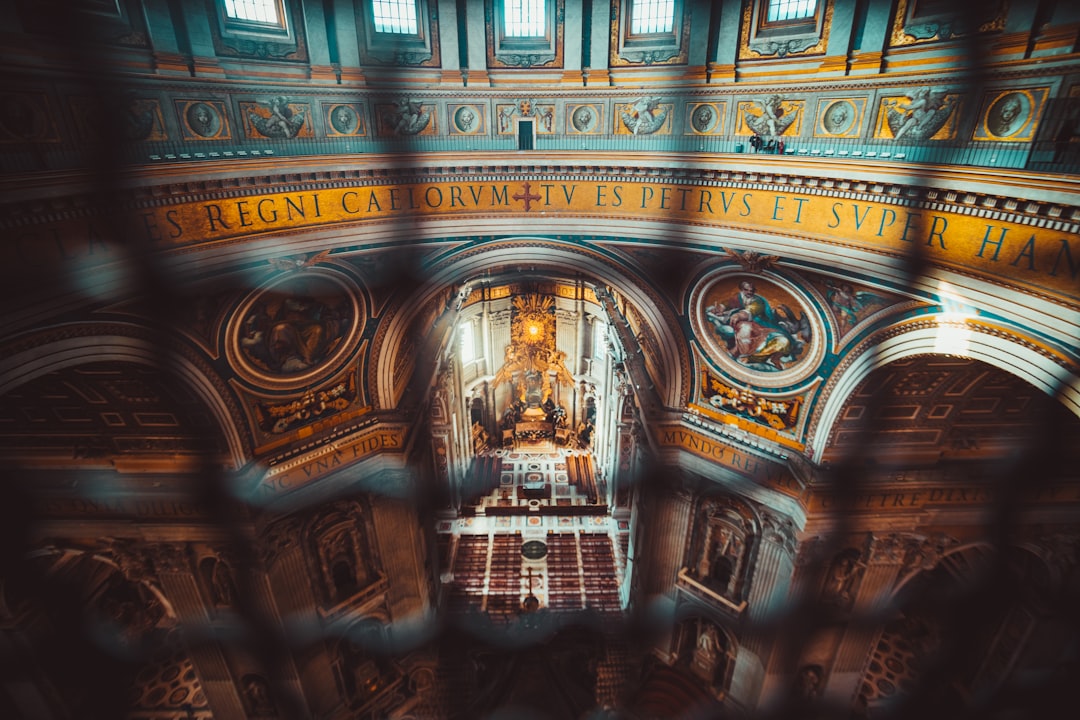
[(644, 116), (408, 117), (282, 121), (773, 120), (921, 117)]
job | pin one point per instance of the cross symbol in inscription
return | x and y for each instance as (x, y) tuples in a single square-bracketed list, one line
[(526, 197)]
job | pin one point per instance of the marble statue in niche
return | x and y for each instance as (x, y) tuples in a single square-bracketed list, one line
[(706, 650), (364, 677), (841, 579), (342, 554), (721, 550), (343, 564), (126, 613), (257, 696), (218, 579), (808, 683)]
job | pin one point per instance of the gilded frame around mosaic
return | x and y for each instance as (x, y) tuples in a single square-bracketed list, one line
[(757, 327), (296, 329)]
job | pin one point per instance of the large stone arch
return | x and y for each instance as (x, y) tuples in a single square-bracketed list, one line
[(66, 347), (941, 334), (556, 258)]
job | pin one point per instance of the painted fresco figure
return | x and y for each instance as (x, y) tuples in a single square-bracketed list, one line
[(755, 334)]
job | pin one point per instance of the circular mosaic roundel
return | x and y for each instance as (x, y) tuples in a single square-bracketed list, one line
[(296, 329), (757, 327)]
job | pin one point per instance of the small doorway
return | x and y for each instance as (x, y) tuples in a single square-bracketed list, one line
[(526, 133)]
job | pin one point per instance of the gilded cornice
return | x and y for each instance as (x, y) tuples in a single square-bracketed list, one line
[(829, 177)]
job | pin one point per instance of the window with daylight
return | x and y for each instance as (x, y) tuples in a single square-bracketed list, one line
[(468, 343), (652, 16), (524, 18), (395, 16), (782, 10), (255, 11)]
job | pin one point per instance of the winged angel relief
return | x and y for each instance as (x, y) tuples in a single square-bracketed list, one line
[(644, 117), (925, 113), (281, 122), (770, 118)]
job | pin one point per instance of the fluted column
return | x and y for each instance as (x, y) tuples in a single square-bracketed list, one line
[(770, 583), (875, 589), (290, 579), (668, 527), (397, 531), (772, 573), (176, 576)]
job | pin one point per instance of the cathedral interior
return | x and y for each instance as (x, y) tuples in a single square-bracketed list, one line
[(320, 399)]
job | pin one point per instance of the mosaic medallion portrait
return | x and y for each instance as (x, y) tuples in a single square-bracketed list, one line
[(758, 328), (295, 330)]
